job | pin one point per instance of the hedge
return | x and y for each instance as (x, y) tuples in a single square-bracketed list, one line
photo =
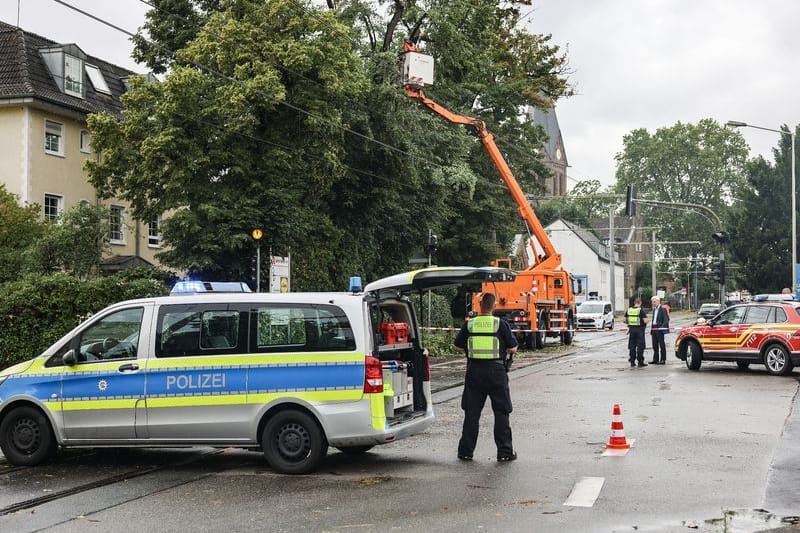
[(37, 311)]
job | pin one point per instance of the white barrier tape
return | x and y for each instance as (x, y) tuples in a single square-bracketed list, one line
[(578, 330)]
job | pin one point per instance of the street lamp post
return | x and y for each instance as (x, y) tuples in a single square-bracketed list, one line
[(791, 134)]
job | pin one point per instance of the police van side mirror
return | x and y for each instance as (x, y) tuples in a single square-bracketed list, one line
[(69, 358)]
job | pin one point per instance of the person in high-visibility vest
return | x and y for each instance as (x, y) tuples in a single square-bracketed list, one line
[(636, 319), (489, 344)]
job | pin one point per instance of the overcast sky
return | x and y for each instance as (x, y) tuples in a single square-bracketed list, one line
[(636, 63)]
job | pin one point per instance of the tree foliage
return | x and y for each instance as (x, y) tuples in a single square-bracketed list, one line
[(20, 227), (290, 117), (75, 243), (699, 163), (760, 224)]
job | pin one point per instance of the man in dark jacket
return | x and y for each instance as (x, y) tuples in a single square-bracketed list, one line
[(658, 329)]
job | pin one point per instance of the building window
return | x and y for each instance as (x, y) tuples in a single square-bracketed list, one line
[(154, 232), (53, 137), (53, 205), (117, 224), (73, 76), (603, 276), (97, 79), (86, 140)]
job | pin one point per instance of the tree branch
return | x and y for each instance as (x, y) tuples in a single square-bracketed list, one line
[(399, 9)]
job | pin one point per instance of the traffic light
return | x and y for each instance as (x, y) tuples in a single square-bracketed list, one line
[(720, 237), (630, 200), (433, 244), (257, 234), (719, 272)]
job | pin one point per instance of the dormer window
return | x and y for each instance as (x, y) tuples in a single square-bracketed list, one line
[(73, 76), (97, 79)]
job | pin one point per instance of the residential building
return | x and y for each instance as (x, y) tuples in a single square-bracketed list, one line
[(47, 90), (554, 152), (588, 259)]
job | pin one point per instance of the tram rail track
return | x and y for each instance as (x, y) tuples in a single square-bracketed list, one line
[(98, 483)]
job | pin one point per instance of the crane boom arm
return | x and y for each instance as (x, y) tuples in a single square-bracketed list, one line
[(550, 258)]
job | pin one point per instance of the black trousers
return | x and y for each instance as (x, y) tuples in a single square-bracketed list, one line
[(486, 378), (636, 344), (659, 346)]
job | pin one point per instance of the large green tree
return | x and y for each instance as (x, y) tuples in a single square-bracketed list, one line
[(290, 117), (699, 163), (760, 224), (20, 227)]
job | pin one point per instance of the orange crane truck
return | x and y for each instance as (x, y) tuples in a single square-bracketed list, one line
[(540, 302)]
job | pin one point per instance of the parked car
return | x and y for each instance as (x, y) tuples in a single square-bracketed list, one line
[(595, 314), (765, 333), (708, 310)]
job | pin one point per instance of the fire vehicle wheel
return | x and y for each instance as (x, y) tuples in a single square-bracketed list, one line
[(538, 336), (777, 361), (694, 355), (611, 327), (567, 336), (293, 443), (26, 437), (355, 450)]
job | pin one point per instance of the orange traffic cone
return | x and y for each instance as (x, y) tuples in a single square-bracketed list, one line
[(617, 439)]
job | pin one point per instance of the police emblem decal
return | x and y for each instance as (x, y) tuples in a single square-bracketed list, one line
[(102, 385)]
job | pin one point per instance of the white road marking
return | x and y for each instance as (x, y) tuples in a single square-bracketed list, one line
[(585, 492)]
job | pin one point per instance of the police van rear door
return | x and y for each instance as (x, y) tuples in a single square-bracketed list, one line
[(440, 277)]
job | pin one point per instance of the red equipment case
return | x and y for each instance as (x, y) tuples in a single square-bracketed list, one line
[(394, 332)]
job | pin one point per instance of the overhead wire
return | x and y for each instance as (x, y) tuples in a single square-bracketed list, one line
[(240, 83)]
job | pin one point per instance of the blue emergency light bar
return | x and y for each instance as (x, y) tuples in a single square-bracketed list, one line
[(355, 284), (194, 287)]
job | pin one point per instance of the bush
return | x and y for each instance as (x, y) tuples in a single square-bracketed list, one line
[(37, 311), (439, 343)]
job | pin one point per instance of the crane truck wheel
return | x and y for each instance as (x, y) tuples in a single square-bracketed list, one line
[(530, 340), (567, 336), (538, 335)]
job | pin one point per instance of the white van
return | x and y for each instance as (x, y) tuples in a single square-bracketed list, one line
[(594, 314), (288, 373)]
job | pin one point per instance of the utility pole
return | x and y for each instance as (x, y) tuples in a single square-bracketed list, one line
[(653, 273), (257, 234), (611, 244)]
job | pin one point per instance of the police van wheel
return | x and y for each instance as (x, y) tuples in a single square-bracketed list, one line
[(293, 443), (26, 437), (355, 450)]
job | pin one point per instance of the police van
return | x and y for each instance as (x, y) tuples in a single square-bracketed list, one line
[(290, 374)]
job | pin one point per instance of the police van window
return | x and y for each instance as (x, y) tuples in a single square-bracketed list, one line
[(300, 328), (220, 329), (113, 337), (186, 331)]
